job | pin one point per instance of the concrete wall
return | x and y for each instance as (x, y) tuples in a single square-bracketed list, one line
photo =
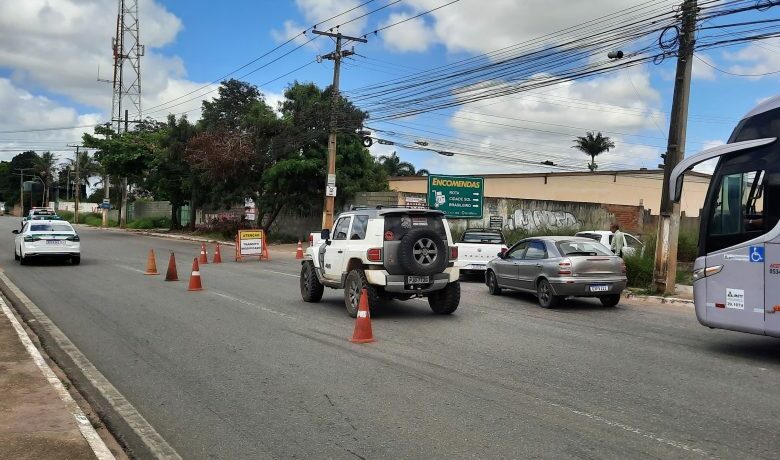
[(630, 188), (142, 209), (71, 206)]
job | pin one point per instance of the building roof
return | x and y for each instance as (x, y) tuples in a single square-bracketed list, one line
[(622, 172)]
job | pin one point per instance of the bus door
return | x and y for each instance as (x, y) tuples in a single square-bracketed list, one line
[(737, 255)]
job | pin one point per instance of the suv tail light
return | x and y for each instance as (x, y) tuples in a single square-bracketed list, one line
[(622, 267), (311, 239), (453, 253), (564, 267), (374, 255)]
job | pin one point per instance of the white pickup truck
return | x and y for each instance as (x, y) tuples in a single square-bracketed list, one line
[(477, 247)]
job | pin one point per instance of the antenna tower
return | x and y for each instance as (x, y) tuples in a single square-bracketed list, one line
[(127, 78)]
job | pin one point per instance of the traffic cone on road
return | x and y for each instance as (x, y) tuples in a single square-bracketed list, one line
[(151, 264), (363, 332), (195, 284), (171, 274), (217, 256), (299, 252), (204, 257)]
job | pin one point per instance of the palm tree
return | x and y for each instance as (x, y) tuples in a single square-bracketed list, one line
[(46, 167), (593, 146), (395, 167), (88, 168)]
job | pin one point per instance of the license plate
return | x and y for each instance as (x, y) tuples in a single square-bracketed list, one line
[(55, 242), (418, 279), (599, 288)]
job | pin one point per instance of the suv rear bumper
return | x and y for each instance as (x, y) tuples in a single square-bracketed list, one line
[(397, 283)]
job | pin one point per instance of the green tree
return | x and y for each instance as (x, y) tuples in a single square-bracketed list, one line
[(46, 168), (170, 177), (593, 146), (394, 167)]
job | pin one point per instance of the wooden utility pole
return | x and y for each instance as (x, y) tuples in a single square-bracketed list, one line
[(330, 186), (665, 268)]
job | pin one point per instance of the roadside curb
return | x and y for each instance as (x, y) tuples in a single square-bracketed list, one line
[(126, 423), (95, 442), (661, 299)]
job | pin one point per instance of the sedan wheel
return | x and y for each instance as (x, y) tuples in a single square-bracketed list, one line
[(492, 283), (546, 297)]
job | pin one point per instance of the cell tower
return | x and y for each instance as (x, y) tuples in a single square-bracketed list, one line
[(127, 79)]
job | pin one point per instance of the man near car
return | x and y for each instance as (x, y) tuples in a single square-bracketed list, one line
[(618, 240)]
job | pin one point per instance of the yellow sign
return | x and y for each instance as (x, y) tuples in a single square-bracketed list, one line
[(250, 242), (251, 234)]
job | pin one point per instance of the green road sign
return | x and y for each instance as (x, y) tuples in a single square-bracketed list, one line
[(457, 196)]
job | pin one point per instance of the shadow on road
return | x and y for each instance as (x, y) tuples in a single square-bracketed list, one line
[(575, 304), (393, 309), (50, 261), (760, 350)]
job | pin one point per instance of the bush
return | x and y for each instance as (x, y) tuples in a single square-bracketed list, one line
[(149, 223), (687, 246), (639, 271), (225, 227), (66, 215), (282, 238)]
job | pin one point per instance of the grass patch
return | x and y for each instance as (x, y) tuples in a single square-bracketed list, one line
[(147, 223)]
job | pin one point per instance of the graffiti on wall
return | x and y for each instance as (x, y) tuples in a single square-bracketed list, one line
[(541, 219)]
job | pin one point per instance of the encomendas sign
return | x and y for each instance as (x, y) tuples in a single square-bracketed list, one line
[(457, 196)]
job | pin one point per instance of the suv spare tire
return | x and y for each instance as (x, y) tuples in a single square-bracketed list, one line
[(423, 252)]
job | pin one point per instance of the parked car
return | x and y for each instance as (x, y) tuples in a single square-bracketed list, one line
[(393, 253), (47, 238), (478, 246), (634, 247), (557, 267)]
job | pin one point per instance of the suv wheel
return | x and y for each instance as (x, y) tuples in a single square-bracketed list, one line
[(311, 288), (492, 283), (610, 300), (445, 301), (545, 293), (423, 252), (353, 288)]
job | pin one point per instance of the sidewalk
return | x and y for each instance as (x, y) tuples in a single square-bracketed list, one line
[(38, 417)]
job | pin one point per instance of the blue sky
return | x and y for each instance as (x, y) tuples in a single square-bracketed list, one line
[(50, 51)]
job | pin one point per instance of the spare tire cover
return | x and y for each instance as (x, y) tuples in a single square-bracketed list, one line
[(423, 252)]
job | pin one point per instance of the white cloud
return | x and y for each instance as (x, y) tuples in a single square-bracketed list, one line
[(23, 111), (478, 27), (757, 58), (412, 35), (541, 126), (702, 71), (316, 12)]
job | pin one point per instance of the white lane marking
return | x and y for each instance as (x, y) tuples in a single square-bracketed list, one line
[(283, 273), (143, 429), (132, 269), (628, 428), (85, 426), (251, 304)]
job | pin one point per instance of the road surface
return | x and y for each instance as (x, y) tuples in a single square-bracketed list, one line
[(245, 369)]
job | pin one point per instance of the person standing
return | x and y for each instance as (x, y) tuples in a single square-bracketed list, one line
[(618, 240)]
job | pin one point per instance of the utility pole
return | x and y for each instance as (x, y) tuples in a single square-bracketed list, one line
[(77, 180), (330, 186), (665, 268), (21, 189)]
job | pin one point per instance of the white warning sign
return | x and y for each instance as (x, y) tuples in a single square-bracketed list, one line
[(735, 299)]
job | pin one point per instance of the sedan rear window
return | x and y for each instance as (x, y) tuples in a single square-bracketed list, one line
[(582, 248), (482, 237), (50, 228)]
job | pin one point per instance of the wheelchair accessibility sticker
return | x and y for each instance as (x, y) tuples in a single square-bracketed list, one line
[(756, 254)]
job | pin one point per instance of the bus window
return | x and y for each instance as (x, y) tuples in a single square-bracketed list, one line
[(738, 213)]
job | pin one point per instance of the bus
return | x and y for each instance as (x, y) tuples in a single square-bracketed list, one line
[(737, 271)]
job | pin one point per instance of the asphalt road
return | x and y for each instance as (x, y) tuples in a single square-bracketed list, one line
[(245, 369)]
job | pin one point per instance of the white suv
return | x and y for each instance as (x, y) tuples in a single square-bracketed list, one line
[(393, 253)]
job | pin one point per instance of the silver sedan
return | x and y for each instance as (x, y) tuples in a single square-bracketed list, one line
[(557, 267)]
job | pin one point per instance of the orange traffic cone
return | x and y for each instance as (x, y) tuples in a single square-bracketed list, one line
[(363, 332), (195, 284), (204, 257), (299, 252), (217, 256), (171, 274), (151, 264)]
